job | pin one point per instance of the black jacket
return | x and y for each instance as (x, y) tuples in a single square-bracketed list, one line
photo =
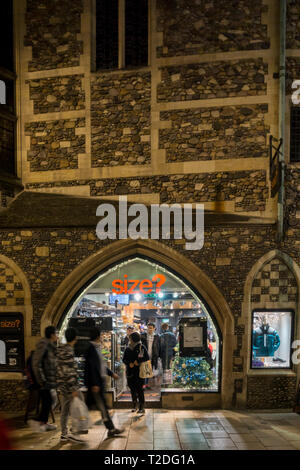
[(155, 348), (44, 364), (92, 370), (131, 356)]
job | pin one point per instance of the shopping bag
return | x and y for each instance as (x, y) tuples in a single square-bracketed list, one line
[(80, 416), (167, 377), (146, 370)]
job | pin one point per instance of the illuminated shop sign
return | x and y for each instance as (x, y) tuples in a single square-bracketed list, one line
[(134, 286), (11, 342)]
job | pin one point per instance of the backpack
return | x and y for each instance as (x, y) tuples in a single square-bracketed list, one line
[(31, 382)]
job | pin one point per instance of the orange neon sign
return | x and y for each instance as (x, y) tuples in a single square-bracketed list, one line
[(10, 324), (128, 286)]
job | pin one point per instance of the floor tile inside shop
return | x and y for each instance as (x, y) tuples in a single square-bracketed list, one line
[(174, 430)]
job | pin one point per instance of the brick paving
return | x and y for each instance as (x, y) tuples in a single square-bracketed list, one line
[(162, 429)]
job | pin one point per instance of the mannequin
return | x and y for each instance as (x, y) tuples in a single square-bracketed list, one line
[(265, 340)]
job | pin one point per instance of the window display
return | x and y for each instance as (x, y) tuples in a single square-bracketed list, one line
[(271, 339), (11, 342)]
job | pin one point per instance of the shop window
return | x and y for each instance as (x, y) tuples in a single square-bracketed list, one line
[(271, 339), (295, 134), (121, 34), (189, 354), (2, 352), (2, 92)]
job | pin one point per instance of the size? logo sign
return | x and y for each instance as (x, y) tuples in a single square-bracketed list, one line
[(128, 286)]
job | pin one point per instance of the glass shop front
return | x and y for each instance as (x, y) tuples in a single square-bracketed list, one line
[(176, 326)]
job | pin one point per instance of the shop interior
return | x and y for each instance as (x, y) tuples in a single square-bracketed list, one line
[(167, 300)]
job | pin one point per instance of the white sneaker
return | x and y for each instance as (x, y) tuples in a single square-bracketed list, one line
[(72, 438), (50, 427)]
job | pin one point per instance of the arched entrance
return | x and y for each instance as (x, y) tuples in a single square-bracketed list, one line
[(176, 265)]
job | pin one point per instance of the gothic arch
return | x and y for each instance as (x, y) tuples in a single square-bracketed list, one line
[(187, 270), (248, 304), (21, 300)]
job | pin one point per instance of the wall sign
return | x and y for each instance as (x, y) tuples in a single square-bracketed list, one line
[(192, 337), (12, 357)]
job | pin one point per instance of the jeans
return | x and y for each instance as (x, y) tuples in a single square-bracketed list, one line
[(101, 405), (136, 388), (65, 410), (46, 400)]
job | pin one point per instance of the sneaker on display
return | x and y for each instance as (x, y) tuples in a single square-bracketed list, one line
[(114, 432), (141, 411)]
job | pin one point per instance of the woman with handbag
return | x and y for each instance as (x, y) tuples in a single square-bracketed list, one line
[(135, 354)]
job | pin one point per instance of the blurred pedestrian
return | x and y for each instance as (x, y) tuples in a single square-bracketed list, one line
[(44, 368), (67, 382), (95, 376)]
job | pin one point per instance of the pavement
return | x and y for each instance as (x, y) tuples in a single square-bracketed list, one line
[(161, 429)]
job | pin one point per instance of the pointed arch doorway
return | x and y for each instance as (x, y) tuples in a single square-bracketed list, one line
[(186, 292)]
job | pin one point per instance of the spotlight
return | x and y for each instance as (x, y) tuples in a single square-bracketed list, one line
[(114, 293), (137, 297), (160, 295), (175, 295), (107, 293)]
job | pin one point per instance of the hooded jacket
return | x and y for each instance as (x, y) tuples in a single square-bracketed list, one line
[(67, 375), (44, 364)]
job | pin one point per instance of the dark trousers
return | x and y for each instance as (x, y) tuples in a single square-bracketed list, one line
[(100, 401), (46, 405), (136, 388)]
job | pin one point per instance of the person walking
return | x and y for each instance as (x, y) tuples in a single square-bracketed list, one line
[(67, 382), (151, 341), (44, 369), (94, 378), (167, 345), (134, 354)]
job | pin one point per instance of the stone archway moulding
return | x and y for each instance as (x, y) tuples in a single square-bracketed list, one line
[(247, 307), (114, 253), (25, 309)]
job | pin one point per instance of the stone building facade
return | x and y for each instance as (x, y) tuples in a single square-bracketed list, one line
[(191, 126)]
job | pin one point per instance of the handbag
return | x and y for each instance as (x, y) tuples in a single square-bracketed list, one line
[(145, 369), (80, 416)]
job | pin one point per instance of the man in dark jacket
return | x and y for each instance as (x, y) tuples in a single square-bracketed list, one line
[(167, 345), (67, 382), (94, 377), (44, 368), (151, 341)]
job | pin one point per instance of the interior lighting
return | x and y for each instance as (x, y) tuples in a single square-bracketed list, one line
[(137, 297)]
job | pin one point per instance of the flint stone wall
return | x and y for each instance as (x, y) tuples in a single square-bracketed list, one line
[(51, 30), (54, 145), (120, 119), (248, 189), (212, 80), (215, 133), (53, 95), (271, 392), (199, 27)]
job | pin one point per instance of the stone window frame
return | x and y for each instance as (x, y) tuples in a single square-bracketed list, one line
[(121, 28), (269, 310)]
